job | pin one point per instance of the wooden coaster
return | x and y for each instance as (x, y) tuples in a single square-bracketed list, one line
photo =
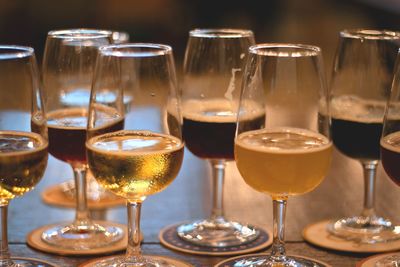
[(35, 241), (32, 261), (231, 261), (318, 235), (371, 261), (55, 196), (174, 262), (169, 238)]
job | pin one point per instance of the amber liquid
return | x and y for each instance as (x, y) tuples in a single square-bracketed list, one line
[(23, 160), (283, 162), (134, 164), (67, 130)]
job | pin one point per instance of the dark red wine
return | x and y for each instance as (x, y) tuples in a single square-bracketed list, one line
[(209, 128), (358, 140), (67, 133), (390, 156), (357, 126)]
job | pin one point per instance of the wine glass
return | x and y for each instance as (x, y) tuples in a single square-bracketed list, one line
[(146, 156), (390, 147), (213, 65), (94, 192), (23, 136), (290, 153), (360, 87), (68, 65)]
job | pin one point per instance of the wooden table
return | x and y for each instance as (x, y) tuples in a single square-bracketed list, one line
[(188, 197)]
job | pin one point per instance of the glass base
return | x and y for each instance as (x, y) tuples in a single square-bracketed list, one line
[(82, 237), (217, 233), (390, 261), (25, 262), (269, 261), (123, 261), (365, 229)]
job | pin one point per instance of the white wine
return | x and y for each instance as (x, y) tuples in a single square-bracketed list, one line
[(283, 161), (134, 164), (23, 160)]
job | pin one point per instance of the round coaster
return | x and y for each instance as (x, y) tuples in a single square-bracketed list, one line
[(169, 238), (371, 261), (231, 261), (34, 262), (174, 262), (35, 241), (56, 196), (317, 235)]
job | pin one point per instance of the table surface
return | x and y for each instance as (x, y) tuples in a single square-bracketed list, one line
[(189, 197)]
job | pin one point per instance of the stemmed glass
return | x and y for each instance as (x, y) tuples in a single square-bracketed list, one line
[(146, 156), (23, 136), (390, 147), (94, 191), (291, 153), (213, 65), (360, 87), (68, 65)]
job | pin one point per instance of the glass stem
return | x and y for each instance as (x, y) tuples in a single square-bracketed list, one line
[(133, 251), (82, 213), (369, 169), (5, 259), (218, 177), (278, 252)]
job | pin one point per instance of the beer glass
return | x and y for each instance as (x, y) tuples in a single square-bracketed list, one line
[(359, 88), (68, 65), (213, 65), (390, 147), (146, 156), (290, 153), (23, 136)]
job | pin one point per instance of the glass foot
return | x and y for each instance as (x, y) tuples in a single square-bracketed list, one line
[(217, 233), (143, 261), (365, 229), (269, 261), (85, 237), (389, 261), (26, 262)]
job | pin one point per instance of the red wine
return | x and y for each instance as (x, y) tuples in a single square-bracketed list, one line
[(67, 129), (209, 128), (357, 126), (390, 156)]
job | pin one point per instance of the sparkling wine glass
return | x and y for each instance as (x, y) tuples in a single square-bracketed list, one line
[(213, 65), (23, 136), (360, 87), (290, 153), (146, 156), (390, 147), (68, 65)]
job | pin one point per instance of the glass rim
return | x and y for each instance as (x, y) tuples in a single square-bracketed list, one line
[(220, 33), (128, 50), (80, 33), (15, 51), (293, 50), (370, 34)]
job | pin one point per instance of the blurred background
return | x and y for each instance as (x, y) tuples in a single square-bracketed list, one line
[(26, 22)]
